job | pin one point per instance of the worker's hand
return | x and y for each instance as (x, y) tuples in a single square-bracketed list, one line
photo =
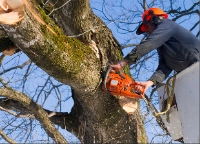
[(116, 67), (119, 66), (143, 86)]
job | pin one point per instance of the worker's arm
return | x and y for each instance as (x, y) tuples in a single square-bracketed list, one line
[(161, 73), (160, 35)]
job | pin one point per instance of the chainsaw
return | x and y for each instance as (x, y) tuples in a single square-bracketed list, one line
[(120, 85)]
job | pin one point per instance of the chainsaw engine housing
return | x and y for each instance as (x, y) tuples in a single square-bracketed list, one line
[(121, 85)]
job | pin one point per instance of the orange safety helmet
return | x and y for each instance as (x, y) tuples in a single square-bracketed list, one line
[(147, 16)]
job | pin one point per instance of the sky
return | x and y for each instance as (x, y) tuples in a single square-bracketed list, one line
[(67, 101)]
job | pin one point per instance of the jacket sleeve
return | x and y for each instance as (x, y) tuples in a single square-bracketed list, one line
[(162, 72), (159, 36)]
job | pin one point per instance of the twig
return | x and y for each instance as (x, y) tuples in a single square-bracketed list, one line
[(17, 115), (9, 140)]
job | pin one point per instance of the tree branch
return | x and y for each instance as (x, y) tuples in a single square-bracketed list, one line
[(13, 68), (17, 115), (40, 44), (175, 11), (9, 140), (189, 11), (65, 120), (129, 45), (196, 24), (185, 14), (38, 112)]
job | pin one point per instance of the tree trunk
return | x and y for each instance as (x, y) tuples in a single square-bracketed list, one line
[(96, 117)]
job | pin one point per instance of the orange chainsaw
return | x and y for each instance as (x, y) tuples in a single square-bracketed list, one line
[(120, 85)]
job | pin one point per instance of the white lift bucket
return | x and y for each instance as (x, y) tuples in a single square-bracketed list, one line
[(184, 112)]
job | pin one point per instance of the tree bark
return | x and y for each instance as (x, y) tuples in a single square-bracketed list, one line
[(99, 117)]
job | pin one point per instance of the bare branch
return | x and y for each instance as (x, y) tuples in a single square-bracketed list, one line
[(59, 7), (9, 140), (176, 11), (37, 110), (195, 25), (1, 58), (129, 45), (13, 68), (62, 119), (4, 83), (184, 14), (17, 115)]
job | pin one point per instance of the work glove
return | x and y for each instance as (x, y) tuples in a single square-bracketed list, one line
[(132, 57)]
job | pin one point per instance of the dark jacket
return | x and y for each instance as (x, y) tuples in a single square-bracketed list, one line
[(177, 48)]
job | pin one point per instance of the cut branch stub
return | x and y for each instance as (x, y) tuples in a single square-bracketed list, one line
[(11, 11)]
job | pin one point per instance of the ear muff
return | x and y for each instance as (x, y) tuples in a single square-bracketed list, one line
[(154, 19)]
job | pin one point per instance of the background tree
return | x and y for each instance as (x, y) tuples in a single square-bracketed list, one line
[(59, 61)]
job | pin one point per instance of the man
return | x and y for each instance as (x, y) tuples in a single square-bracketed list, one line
[(177, 47)]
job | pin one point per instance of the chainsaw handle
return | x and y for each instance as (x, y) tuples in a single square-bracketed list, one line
[(134, 85)]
